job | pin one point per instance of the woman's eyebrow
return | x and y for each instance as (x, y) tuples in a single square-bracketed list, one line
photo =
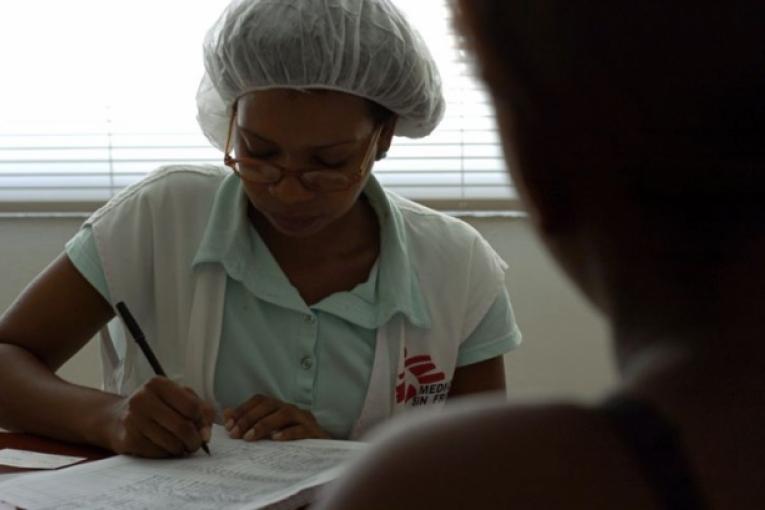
[(266, 140)]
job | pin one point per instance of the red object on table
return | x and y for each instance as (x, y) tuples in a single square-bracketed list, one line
[(40, 444)]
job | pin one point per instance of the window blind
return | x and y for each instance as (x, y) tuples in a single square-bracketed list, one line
[(107, 94)]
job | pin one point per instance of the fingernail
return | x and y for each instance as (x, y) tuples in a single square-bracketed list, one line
[(206, 433), (229, 424), (276, 436), (249, 435), (234, 432)]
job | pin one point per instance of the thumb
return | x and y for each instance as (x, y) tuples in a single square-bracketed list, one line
[(208, 413), (206, 409)]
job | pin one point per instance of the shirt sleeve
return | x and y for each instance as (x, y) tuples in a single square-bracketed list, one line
[(496, 334), (82, 251)]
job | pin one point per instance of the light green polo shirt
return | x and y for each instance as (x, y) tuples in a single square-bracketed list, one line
[(319, 357)]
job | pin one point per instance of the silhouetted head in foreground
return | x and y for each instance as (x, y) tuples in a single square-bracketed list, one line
[(635, 131)]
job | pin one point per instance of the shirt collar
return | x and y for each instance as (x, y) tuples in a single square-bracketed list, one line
[(228, 236), (398, 288), (226, 231)]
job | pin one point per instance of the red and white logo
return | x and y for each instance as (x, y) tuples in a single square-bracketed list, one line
[(421, 382)]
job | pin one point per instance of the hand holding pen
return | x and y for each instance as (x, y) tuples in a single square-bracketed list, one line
[(160, 418)]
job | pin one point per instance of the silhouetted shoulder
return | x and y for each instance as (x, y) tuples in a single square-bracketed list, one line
[(497, 455)]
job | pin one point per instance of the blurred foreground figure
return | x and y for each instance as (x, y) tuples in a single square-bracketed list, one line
[(634, 131)]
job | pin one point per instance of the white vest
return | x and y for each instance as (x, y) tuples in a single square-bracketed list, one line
[(148, 235)]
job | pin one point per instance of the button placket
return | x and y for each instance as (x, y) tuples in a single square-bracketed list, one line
[(307, 361)]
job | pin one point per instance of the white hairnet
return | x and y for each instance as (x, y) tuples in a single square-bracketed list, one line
[(362, 47)]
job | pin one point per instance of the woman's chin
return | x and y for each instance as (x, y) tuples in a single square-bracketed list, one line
[(296, 226)]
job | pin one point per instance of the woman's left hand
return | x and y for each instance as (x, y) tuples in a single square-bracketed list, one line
[(264, 417)]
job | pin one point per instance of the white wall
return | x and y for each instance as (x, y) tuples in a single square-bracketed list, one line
[(565, 350), (564, 354)]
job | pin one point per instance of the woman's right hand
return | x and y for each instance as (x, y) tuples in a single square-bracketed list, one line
[(160, 419)]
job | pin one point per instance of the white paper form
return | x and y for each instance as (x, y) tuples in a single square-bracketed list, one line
[(238, 475), (35, 460)]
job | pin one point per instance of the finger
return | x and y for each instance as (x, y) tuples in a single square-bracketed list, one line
[(244, 408), (282, 418), (208, 417), (293, 433), (232, 415), (184, 402), (153, 433), (157, 435), (254, 415), (183, 430), (206, 409), (208, 414), (175, 424), (142, 446), (228, 418), (206, 434), (133, 442)]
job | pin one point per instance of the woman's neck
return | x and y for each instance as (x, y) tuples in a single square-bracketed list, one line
[(721, 337), (721, 308)]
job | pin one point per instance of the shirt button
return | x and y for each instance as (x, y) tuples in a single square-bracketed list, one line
[(309, 318), (306, 362)]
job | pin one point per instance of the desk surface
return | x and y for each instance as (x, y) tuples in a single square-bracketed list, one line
[(40, 444)]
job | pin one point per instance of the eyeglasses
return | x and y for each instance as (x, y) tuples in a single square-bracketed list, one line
[(323, 181)]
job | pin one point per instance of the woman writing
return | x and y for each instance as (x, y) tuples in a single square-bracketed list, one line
[(286, 292)]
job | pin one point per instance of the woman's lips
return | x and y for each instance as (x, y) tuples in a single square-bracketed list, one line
[(293, 223)]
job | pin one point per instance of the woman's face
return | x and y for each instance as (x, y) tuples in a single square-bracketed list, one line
[(295, 131)]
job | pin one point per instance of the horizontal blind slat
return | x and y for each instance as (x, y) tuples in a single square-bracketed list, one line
[(89, 150)]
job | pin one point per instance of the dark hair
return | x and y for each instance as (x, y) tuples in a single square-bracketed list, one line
[(694, 79), (379, 113)]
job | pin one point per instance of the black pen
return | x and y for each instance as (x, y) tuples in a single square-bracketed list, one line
[(140, 339)]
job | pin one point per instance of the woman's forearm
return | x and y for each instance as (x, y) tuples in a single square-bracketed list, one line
[(34, 400)]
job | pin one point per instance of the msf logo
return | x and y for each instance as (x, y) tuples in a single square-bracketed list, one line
[(430, 387)]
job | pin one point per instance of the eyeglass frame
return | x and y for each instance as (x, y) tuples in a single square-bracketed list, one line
[(354, 178)]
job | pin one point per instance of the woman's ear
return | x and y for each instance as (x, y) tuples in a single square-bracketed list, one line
[(386, 137)]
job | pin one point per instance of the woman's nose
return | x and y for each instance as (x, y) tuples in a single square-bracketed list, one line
[(290, 190)]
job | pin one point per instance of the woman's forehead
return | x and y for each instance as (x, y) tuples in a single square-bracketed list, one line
[(320, 116), (303, 103)]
